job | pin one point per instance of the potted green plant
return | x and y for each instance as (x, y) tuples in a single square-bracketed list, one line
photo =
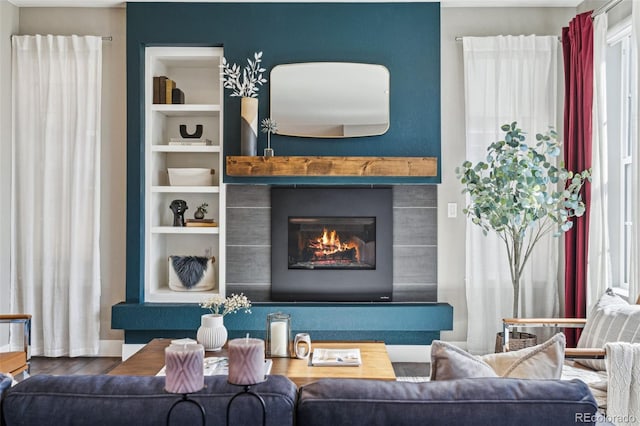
[(520, 194)]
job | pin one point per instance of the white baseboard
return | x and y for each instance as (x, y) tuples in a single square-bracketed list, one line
[(110, 348)]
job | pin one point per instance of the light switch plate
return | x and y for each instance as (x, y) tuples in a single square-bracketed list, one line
[(452, 210)]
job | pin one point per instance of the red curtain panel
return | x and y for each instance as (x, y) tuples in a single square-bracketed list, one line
[(577, 46)]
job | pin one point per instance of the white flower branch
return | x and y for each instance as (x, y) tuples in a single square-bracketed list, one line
[(243, 82)]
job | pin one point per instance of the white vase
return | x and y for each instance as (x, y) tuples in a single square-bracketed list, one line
[(212, 333)]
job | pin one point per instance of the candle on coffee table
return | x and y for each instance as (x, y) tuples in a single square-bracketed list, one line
[(246, 361), (279, 340), (184, 368)]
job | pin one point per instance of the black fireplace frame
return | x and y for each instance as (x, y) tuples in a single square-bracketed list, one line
[(322, 285)]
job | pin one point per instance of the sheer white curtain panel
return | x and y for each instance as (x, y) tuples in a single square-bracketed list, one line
[(55, 264), (634, 284), (599, 276), (507, 78)]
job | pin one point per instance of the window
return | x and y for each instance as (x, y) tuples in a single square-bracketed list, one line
[(621, 107)]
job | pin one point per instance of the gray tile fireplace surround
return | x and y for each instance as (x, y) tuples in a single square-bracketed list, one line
[(414, 242)]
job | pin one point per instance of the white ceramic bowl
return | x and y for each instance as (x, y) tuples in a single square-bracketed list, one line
[(190, 177)]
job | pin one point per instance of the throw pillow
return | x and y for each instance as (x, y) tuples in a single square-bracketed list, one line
[(449, 362), (543, 361), (612, 319)]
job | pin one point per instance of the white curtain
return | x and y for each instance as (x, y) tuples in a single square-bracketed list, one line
[(55, 263), (507, 78), (634, 285), (599, 276)]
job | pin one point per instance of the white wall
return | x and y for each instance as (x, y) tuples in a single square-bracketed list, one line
[(8, 26), (104, 22), (451, 232)]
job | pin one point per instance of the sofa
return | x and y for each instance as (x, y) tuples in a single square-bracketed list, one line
[(123, 400)]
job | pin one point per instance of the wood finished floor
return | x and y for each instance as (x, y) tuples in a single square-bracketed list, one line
[(102, 365)]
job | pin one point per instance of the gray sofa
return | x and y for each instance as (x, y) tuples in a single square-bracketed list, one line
[(122, 400)]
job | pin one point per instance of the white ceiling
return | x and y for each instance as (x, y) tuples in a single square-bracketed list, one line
[(444, 3)]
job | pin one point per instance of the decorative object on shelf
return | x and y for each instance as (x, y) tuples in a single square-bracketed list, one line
[(278, 334), (184, 374), (195, 135), (302, 345), (244, 84), (269, 126), (200, 211), (212, 333), (514, 195), (178, 207), (192, 273), (190, 176), (177, 96), (246, 361)]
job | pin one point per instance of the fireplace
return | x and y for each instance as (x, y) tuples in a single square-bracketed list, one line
[(331, 244)]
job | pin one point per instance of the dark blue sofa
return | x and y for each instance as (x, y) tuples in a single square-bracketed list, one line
[(124, 400), (469, 402)]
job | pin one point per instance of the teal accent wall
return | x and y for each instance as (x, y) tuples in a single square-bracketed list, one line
[(405, 37)]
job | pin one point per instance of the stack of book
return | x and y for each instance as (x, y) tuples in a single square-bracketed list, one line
[(190, 141), (201, 222), (166, 92), (336, 357)]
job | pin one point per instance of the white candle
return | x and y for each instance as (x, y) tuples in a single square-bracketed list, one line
[(246, 361), (279, 338), (185, 368)]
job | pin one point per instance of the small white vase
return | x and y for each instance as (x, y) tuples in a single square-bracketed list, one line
[(212, 333)]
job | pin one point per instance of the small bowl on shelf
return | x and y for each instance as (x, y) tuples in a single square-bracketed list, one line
[(190, 177)]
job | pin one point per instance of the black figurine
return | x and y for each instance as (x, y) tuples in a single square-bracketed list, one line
[(178, 207)]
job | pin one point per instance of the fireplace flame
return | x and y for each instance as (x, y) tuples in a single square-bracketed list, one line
[(329, 244)]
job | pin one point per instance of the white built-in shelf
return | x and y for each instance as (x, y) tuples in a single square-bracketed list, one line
[(185, 148), (185, 189), (187, 110), (195, 70), (185, 229)]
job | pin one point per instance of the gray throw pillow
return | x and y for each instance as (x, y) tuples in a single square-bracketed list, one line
[(543, 361), (612, 319)]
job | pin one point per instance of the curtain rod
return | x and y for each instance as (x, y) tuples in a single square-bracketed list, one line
[(606, 7), (104, 38), (459, 38)]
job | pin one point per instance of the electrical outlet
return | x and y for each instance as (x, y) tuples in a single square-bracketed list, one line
[(452, 210)]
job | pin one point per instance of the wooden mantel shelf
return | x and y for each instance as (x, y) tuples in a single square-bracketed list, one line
[(332, 166)]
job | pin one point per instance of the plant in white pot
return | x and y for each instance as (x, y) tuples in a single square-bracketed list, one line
[(212, 333), (520, 194)]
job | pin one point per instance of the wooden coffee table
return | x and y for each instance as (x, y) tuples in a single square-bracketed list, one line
[(375, 363)]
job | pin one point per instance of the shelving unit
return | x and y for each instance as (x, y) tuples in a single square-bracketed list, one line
[(195, 71)]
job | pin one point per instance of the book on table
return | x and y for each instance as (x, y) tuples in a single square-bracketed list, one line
[(336, 357)]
